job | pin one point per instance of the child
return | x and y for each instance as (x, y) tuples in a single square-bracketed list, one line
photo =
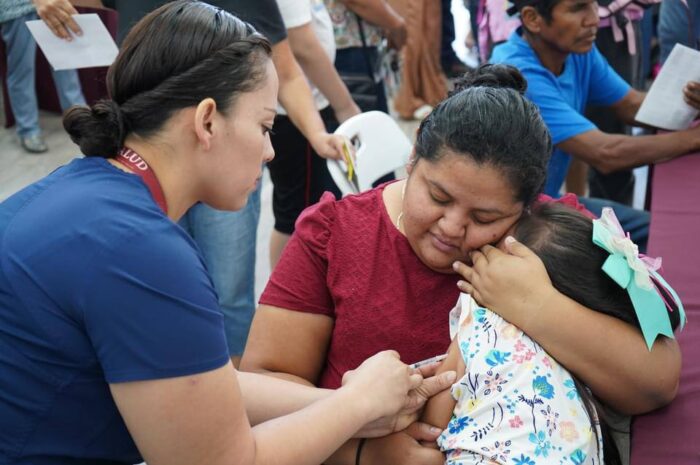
[(514, 403)]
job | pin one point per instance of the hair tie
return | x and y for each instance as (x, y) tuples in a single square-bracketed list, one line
[(638, 275)]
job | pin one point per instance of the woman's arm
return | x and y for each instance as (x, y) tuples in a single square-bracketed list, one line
[(203, 418), (607, 354), (320, 70), (287, 344), (380, 13)]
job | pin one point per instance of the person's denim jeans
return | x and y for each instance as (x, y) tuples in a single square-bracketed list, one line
[(674, 25), (633, 221), (227, 241), (21, 64)]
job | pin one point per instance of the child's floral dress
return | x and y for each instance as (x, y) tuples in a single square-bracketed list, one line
[(515, 404)]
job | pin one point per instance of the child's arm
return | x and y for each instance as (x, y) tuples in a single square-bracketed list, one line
[(438, 410)]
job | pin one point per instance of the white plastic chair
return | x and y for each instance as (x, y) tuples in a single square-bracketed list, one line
[(381, 148)]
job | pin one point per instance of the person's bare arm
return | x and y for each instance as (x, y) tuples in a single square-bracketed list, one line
[(318, 68), (612, 152), (203, 418), (58, 16), (380, 13), (627, 107), (295, 96), (274, 348), (607, 354)]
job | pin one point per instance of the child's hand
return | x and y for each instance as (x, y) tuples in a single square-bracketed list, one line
[(513, 284)]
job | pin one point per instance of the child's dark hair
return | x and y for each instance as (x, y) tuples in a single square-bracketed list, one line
[(562, 238), (488, 120), (176, 56)]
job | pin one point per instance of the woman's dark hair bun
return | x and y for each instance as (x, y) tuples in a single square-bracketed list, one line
[(492, 75), (98, 130), (488, 120)]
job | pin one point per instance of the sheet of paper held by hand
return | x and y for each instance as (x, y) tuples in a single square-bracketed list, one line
[(664, 106), (94, 48)]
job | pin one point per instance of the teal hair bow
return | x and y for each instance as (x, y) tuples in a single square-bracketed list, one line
[(637, 274)]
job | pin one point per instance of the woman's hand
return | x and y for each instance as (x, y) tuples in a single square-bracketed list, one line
[(417, 399), (404, 448), (513, 284)]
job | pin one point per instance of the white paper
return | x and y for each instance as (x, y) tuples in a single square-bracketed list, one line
[(664, 106), (94, 48)]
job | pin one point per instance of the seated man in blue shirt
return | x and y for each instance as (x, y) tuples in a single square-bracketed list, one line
[(555, 51)]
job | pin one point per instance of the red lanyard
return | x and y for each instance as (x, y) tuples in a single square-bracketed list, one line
[(138, 165)]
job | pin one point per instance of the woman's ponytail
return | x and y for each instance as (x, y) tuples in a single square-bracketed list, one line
[(98, 130)]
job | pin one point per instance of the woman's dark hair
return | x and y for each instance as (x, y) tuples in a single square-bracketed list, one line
[(562, 238), (488, 120), (176, 56)]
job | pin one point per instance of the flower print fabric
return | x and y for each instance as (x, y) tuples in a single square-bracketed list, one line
[(346, 28), (515, 404)]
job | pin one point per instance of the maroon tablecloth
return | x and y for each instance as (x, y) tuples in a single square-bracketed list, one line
[(672, 434)]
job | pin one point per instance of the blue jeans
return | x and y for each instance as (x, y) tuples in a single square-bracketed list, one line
[(677, 26), (227, 242), (633, 221), (21, 64)]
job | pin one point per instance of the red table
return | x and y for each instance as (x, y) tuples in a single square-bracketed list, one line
[(672, 434)]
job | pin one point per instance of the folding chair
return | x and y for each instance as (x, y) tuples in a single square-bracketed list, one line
[(381, 148)]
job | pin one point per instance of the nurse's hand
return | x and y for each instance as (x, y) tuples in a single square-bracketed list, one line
[(381, 385), (513, 283), (691, 94), (404, 448), (417, 398)]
